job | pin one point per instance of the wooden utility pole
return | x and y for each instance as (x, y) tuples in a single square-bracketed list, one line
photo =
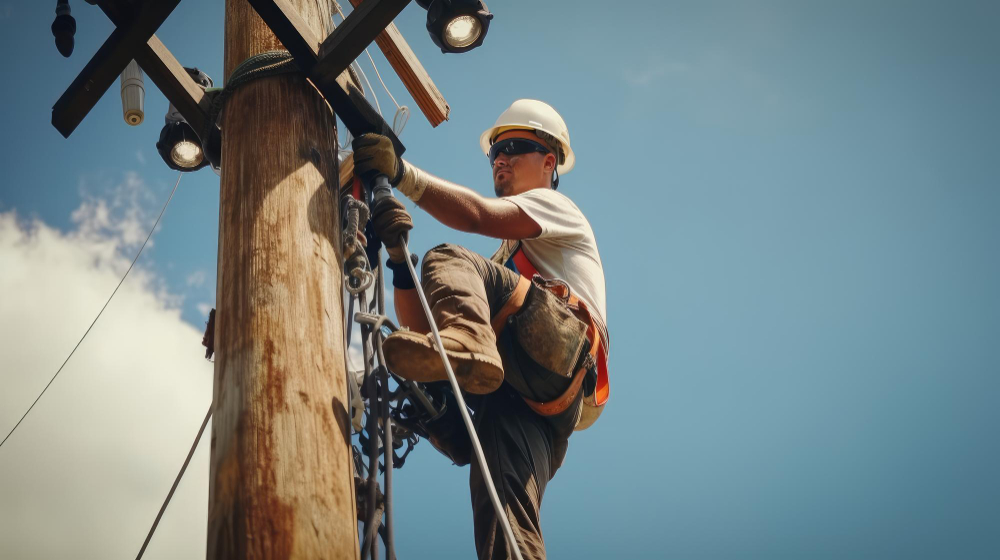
[(282, 476), (281, 483)]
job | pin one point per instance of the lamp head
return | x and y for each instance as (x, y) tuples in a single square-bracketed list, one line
[(179, 145), (457, 26)]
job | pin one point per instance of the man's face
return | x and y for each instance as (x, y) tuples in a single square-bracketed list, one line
[(517, 174)]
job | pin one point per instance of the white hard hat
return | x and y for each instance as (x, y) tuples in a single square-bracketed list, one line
[(534, 115)]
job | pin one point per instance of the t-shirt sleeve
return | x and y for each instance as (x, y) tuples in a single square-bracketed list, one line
[(554, 213)]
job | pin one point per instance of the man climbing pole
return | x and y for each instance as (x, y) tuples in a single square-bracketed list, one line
[(525, 331)]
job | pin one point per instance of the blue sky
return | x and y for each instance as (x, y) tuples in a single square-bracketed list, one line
[(796, 205)]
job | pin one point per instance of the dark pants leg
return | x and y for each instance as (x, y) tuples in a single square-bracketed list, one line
[(523, 450)]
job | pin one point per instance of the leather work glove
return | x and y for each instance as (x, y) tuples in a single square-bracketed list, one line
[(392, 223), (374, 155)]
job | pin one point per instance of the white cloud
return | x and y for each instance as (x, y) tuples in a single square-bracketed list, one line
[(204, 308), (85, 473), (651, 72), (196, 278), (117, 216), (140, 157)]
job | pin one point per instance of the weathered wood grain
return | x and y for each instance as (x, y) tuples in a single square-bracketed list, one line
[(281, 483)]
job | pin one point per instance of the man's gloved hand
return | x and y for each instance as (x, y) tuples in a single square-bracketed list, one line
[(392, 223), (374, 155)]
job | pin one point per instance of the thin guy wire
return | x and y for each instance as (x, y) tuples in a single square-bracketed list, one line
[(99, 313), (177, 481)]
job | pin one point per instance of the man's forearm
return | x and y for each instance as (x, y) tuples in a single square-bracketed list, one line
[(464, 209), (451, 204)]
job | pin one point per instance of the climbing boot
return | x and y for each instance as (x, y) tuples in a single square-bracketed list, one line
[(415, 357)]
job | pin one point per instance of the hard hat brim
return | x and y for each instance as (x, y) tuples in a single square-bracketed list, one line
[(486, 140)]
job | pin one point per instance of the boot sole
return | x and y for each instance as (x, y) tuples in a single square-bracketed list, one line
[(418, 360)]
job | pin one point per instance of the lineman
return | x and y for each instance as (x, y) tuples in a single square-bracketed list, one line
[(525, 331)]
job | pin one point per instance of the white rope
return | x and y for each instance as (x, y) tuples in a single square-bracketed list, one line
[(399, 121), (379, 76), (402, 115), (497, 506), (374, 96)]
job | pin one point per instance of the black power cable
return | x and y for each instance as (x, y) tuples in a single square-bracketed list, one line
[(177, 481), (98, 313)]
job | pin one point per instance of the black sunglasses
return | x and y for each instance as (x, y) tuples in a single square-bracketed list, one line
[(516, 146)]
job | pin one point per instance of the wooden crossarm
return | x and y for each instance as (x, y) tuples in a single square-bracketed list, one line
[(346, 170), (167, 73), (174, 82), (352, 36), (108, 63), (412, 73)]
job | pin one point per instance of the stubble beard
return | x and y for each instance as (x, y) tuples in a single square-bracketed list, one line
[(502, 187)]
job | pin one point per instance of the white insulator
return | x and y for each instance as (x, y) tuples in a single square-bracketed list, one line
[(133, 94)]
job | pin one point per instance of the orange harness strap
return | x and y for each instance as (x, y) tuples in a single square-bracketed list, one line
[(514, 303), (579, 308)]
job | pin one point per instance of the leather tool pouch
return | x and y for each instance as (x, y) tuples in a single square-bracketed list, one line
[(548, 332)]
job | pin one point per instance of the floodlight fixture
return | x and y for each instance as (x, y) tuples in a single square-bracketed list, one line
[(457, 26), (179, 144)]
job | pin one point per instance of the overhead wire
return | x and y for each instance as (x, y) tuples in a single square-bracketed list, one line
[(371, 89), (177, 481), (402, 115), (99, 313)]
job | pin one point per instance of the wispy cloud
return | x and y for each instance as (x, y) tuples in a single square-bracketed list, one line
[(93, 460), (120, 214), (196, 279), (204, 308), (651, 72), (140, 157)]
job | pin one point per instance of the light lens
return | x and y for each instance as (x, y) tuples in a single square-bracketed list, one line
[(462, 31), (187, 154)]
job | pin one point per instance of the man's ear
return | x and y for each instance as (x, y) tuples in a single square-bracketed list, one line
[(549, 163)]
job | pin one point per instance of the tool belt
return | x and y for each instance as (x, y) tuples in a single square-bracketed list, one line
[(544, 330)]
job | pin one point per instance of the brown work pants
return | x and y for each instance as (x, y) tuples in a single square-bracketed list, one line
[(523, 450)]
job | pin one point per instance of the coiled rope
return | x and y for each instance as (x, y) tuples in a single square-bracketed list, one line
[(263, 65)]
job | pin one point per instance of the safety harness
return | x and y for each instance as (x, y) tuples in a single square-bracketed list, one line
[(597, 352)]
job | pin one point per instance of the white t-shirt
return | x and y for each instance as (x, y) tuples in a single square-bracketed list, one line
[(566, 248)]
